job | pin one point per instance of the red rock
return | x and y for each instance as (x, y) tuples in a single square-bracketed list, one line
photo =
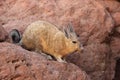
[(90, 18), (115, 46), (93, 21), (92, 60), (113, 6), (118, 29), (113, 59), (19, 64), (116, 17)]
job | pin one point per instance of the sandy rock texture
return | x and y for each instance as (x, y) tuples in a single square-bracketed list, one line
[(97, 22), (19, 64)]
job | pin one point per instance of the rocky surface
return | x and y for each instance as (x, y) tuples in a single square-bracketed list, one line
[(19, 64), (115, 54), (95, 21), (89, 18), (113, 7), (92, 60)]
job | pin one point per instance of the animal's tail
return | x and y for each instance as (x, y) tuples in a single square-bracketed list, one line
[(15, 36)]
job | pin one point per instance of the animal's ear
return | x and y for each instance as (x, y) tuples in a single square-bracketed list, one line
[(65, 32), (71, 30), (70, 26)]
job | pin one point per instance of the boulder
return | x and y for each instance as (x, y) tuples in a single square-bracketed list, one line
[(113, 7), (17, 63), (93, 60), (90, 19)]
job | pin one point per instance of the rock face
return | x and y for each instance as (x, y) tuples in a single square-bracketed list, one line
[(95, 21), (19, 64), (92, 60), (113, 6), (115, 53), (91, 20)]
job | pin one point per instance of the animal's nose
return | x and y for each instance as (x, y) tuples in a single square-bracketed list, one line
[(81, 48)]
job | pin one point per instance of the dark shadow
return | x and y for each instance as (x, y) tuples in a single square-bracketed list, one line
[(117, 70)]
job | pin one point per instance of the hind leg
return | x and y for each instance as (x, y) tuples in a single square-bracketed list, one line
[(44, 54), (59, 59), (49, 57)]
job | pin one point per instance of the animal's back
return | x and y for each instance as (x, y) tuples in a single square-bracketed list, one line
[(43, 36)]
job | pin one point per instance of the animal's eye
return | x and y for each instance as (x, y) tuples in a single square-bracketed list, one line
[(78, 35), (74, 42)]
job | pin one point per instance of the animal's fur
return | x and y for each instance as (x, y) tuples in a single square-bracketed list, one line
[(14, 36), (45, 37)]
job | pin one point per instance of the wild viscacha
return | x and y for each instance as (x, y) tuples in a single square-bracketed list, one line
[(42, 36)]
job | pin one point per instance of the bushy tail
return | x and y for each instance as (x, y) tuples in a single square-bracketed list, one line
[(15, 36)]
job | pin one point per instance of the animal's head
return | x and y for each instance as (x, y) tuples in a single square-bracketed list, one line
[(73, 43)]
